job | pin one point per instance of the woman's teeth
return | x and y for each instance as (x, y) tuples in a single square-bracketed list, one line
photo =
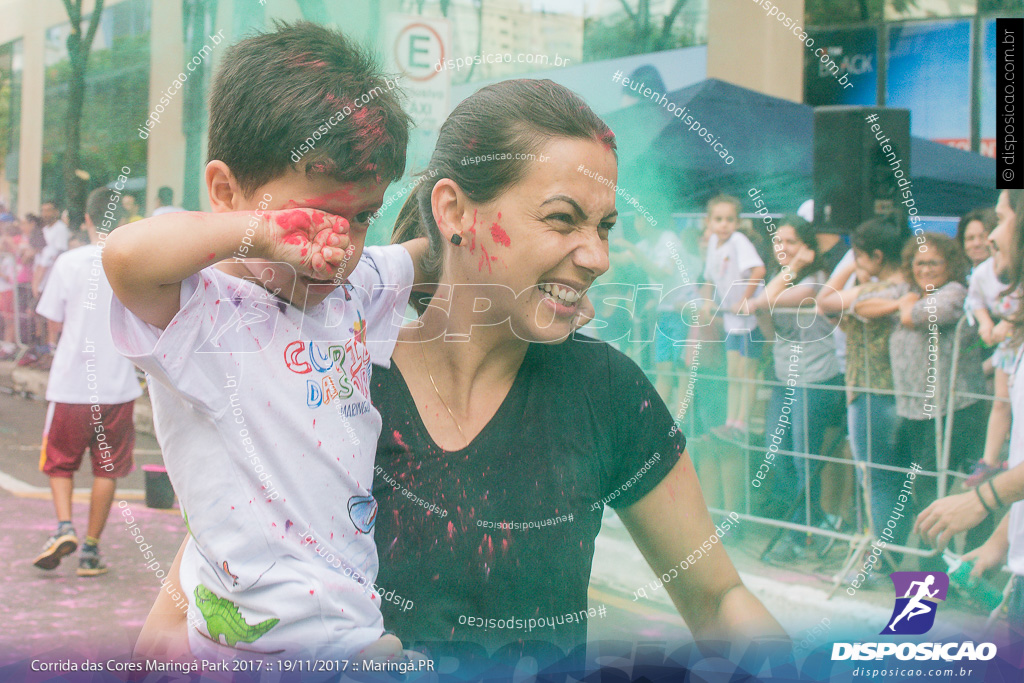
[(563, 294)]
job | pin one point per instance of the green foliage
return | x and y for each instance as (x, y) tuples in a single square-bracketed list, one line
[(621, 35), (6, 122), (837, 12), (116, 104)]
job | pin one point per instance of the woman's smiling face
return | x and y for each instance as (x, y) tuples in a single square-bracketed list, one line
[(545, 239)]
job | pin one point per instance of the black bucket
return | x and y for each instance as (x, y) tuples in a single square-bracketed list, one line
[(159, 492)]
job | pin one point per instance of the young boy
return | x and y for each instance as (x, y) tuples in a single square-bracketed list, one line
[(91, 390), (260, 365), (735, 273)]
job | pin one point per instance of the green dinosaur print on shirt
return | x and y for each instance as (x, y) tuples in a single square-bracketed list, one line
[(223, 618)]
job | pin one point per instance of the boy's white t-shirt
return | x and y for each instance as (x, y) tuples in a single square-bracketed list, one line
[(728, 266), (86, 368), (263, 413)]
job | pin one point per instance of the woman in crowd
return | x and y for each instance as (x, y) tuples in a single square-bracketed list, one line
[(804, 354), (517, 436), (972, 235), (921, 353), (868, 320)]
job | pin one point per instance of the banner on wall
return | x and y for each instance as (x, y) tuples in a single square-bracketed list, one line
[(856, 52), (929, 72)]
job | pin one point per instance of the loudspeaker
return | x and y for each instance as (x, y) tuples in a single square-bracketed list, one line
[(861, 166)]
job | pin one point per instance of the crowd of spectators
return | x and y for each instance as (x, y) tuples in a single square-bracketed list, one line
[(29, 246), (851, 341)]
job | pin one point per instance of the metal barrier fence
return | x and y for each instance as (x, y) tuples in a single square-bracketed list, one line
[(860, 537)]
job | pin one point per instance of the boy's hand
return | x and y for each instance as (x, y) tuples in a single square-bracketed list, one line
[(314, 242)]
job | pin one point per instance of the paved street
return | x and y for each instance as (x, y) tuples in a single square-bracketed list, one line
[(59, 612)]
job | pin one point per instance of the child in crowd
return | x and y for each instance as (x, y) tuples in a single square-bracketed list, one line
[(257, 325), (91, 390), (734, 273)]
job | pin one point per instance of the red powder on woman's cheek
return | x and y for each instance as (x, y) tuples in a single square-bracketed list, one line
[(499, 235)]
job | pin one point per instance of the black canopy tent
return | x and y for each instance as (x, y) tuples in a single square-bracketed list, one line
[(771, 142)]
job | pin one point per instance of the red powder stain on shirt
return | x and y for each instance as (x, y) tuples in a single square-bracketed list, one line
[(398, 440), (451, 531), (310, 591), (499, 235)]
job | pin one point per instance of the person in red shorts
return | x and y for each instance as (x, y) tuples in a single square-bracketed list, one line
[(91, 390)]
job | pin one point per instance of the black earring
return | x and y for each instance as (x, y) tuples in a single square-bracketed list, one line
[(456, 239)]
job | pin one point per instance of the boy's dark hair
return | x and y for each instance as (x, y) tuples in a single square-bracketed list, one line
[(881, 233), (103, 206), (166, 195), (304, 87)]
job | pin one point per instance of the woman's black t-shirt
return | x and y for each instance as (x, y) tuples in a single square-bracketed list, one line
[(504, 529)]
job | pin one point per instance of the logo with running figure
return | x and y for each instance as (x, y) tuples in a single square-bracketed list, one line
[(914, 612)]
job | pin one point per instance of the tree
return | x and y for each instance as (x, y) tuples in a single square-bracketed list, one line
[(78, 55), (645, 31), (833, 12), (636, 31)]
